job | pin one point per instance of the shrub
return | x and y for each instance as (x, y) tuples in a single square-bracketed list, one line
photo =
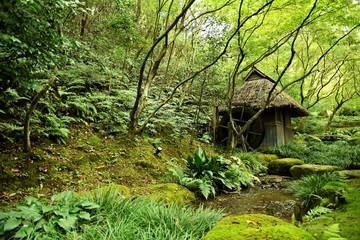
[(252, 162), (208, 175), (64, 213)]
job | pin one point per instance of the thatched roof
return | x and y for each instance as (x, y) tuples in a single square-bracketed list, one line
[(255, 91)]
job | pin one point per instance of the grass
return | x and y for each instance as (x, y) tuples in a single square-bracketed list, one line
[(123, 218), (308, 188)]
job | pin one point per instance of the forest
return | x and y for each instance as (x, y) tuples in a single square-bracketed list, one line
[(108, 118)]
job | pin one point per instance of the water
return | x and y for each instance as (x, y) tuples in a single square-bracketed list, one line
[(274, 201)]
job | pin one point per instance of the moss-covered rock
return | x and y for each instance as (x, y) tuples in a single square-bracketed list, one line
[(255, 226), (351, 173), (265, 159), (333, 192), (298, 171), (282, 166), (166, 192), (354, 140)]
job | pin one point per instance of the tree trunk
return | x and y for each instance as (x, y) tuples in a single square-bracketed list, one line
[(336, 109), (27, 140)]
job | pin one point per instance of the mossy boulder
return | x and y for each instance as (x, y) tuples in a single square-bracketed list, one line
[(255, 226), (354, 140), (351, 173), (332, 194), (265, 159), (166, 192), (282, 166), (299, 171)]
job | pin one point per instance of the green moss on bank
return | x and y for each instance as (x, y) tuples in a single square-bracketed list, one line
[(255, 226), (88, 161), (347, 216)]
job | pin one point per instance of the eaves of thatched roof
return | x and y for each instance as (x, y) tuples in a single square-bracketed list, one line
[(254, 94)]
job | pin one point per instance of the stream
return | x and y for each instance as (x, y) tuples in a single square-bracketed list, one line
[(270, 197)]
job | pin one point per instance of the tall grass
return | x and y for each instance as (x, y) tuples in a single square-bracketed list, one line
[(308, 188), (122, 218)]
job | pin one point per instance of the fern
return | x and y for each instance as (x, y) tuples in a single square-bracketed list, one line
[(206, 175), (317, 212), (10, 127), (332, 232)]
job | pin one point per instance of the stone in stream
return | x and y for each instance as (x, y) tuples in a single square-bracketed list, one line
[(282, 166), (299, 171)]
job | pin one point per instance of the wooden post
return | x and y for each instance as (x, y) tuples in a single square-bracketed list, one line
[(215, 122)]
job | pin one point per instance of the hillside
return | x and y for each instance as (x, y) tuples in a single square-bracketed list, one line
[(88, 161)]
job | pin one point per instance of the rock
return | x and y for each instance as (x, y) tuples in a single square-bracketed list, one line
[(265, 159), (298, 171), (351, 173), (166, 192), (332, 194), (255, 226), (282, 166), (354, 140)]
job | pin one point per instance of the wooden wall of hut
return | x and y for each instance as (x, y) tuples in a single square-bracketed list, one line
[(278, 129)]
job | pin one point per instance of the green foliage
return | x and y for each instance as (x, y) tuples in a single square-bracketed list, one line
[(308, 188), (251, 161), (105, 214), (142, 218), (332, 232), (64, 213), (311, 125), (339, 153), (208, 175), (317, 212)]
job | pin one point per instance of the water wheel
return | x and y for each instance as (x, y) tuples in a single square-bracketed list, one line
[(253, 136)]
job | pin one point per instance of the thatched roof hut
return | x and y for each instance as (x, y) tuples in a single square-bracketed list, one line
[(273, 127), (254, 94)]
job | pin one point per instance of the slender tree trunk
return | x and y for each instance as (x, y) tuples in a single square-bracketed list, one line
[(27, 140), (331, 117)]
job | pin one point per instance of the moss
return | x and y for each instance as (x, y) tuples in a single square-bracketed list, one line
[(265, 159), (121, 190), (351, 173), (282, 166), (255, 226), (95, 140), (354, 140), (166, 192), (298, 171)]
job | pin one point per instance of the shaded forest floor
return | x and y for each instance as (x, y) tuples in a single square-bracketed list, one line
[(89, 161)]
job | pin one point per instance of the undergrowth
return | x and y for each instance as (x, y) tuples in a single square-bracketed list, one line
[(339, 153), (307, 189), (208, 175), (115, 217)]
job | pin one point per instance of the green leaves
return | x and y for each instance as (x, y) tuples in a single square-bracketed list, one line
[(65, 212), (11, 224), (208, 175)]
